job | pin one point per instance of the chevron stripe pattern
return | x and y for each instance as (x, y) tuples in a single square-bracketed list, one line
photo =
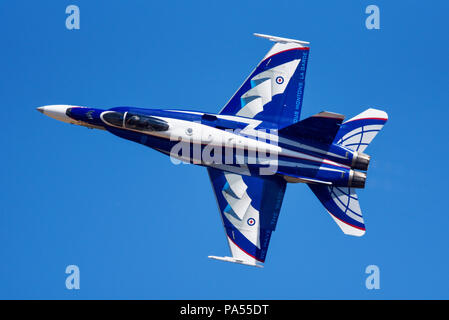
[(264, 86), (239, 210)]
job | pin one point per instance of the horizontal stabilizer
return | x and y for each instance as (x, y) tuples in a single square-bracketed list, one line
[(234, 260), (322, 127), (343, 205), (358, 132)]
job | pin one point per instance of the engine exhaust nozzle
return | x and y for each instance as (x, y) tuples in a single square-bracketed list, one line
[(361, 161), (357, 179)]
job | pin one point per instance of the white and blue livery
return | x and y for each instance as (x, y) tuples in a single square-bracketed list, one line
[(256, 145)]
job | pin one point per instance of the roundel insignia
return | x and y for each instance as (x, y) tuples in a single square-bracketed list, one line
[(251, 221), (279, 80)]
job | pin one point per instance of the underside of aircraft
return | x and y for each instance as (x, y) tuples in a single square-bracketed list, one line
[(323, 151)]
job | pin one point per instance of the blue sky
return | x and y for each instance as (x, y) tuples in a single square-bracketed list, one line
[(140, 227)]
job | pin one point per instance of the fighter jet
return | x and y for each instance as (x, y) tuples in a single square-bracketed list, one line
[(254, 146)]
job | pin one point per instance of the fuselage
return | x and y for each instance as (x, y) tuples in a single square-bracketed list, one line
[(229, 143)]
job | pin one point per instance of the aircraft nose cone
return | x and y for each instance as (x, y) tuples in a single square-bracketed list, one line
[(58, 112)]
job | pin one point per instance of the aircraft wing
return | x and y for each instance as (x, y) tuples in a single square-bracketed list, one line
[(249, 208), (273, 92)]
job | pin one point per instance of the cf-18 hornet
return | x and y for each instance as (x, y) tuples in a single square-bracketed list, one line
[(254, 146)]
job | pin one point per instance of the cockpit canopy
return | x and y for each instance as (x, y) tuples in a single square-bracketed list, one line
[(134, 121), (113, 118)]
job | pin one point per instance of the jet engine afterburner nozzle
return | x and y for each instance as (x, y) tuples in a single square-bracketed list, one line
[(357, 179), (361, 161)]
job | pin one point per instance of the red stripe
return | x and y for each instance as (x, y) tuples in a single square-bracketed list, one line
[(301, 48), (244, 250), (337, 164), (383, 119), (363, 229)]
